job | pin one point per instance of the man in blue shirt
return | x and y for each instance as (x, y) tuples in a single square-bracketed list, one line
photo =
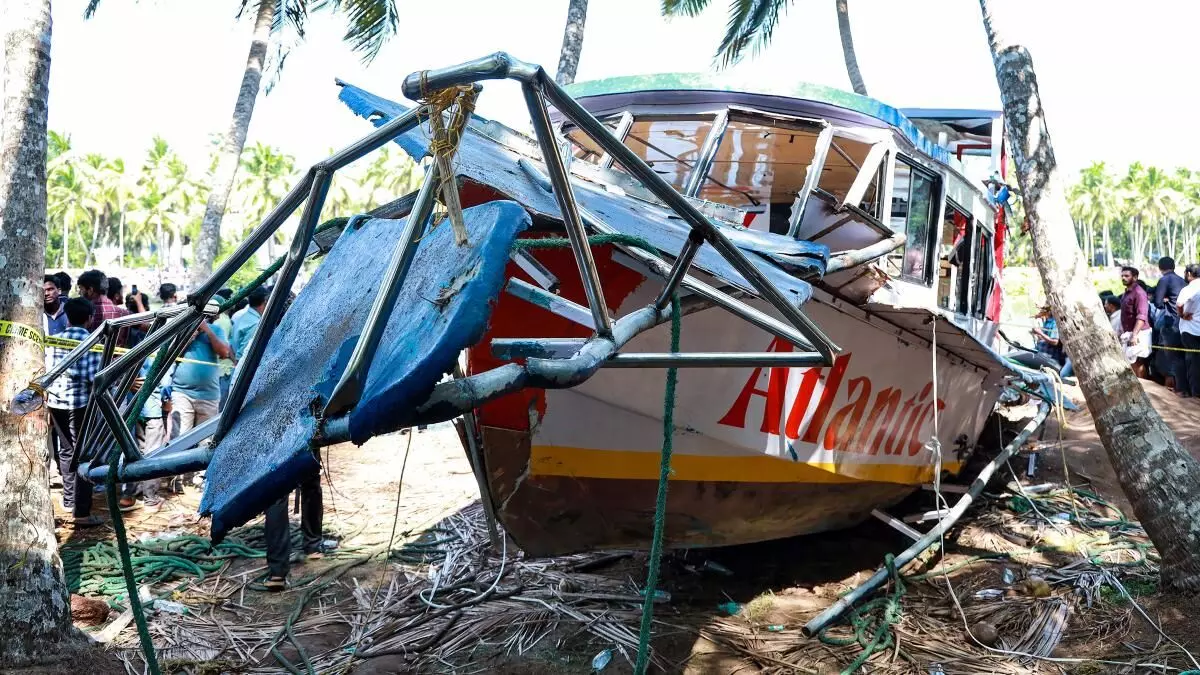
[(54, 321), (1047, 338), (245, 322), (196, 384)]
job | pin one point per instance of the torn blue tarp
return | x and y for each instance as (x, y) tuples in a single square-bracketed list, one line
[(443, 307), (484, 161)]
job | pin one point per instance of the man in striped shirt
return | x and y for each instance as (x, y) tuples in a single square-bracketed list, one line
[(67, 397), (93, 285)]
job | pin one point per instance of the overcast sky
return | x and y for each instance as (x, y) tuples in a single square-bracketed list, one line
[(1112, 73)]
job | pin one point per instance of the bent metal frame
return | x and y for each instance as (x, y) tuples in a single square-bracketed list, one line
[(549, 363)]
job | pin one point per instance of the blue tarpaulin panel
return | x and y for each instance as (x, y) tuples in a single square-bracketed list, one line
[(484, 161), (443, 307)]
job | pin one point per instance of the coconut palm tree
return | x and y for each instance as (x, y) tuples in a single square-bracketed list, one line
[(71, 204), (162, 199), (266, 177), (752, 22), (35, 611), (1188, 205), (1141, 447), (1149, 201), (369, 24), (572, 44), (388, 176), (1094, 202)]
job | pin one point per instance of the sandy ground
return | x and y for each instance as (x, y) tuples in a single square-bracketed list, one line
[(797, 576)]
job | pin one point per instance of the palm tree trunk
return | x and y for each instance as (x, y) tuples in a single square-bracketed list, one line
[(1107, 246), (843, 15), (35, 611), (231, 146), (572, 44), (95, 235), (1157, 474)]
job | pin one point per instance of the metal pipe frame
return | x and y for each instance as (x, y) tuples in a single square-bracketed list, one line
[(659, 266), (555, 304), (179, 320), (848, 259), (455, 397), (624, 124), (109, 332), (125, 439), (708, 152), (541, 275), (354, 378), (369, 143), (716, 360), (812, 178), (556, 348), (931, 537), (321, 178), (684, 208), (682, 263), (565, 196), (177, 456), (179, 328)]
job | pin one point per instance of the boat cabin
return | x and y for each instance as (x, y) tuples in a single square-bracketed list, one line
[(830, 167)]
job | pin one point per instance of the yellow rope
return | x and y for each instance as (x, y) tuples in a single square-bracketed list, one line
[(460, 100)]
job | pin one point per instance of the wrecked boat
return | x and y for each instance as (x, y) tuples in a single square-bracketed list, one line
[(829, 265)]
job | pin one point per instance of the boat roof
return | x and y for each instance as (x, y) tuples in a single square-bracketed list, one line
[(683, 88)]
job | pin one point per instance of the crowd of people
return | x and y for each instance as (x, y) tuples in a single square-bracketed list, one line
[(1157, 327), (192, 391)]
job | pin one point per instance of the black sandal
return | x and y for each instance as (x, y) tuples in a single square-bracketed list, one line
[(275, 584)]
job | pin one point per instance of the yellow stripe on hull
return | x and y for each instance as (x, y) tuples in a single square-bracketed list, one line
[(552, 460)]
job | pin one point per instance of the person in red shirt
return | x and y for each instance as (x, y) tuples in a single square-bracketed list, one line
[(93, 285), (1135, 320)]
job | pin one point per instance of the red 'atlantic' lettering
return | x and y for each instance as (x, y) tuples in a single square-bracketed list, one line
[(832, 384), (886, 402), (891, 427), (844, 425), (776, 390)]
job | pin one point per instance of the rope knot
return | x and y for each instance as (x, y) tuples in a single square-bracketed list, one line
[(460, 102)]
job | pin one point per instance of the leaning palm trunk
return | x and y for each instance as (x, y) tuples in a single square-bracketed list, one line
[(572, 44), (35, 615), (231, 147), (843, 15), (1158, 475)]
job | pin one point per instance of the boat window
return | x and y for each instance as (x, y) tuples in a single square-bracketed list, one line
[(954, 259), (671, 146), (584, 147), (914, 194), (842, 164), (984, 265)]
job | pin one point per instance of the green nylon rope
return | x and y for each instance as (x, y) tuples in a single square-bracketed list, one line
[(660, 504), (95, 569), (131, 585), (664, 469), (872, 629)]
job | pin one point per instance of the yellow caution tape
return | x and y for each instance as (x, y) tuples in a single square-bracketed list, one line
[(29, 333), (1175, 349)]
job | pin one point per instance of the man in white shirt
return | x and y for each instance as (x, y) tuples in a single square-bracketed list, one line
[(1188, 304)]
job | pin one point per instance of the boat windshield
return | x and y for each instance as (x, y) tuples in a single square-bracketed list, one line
[(760, 164)]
